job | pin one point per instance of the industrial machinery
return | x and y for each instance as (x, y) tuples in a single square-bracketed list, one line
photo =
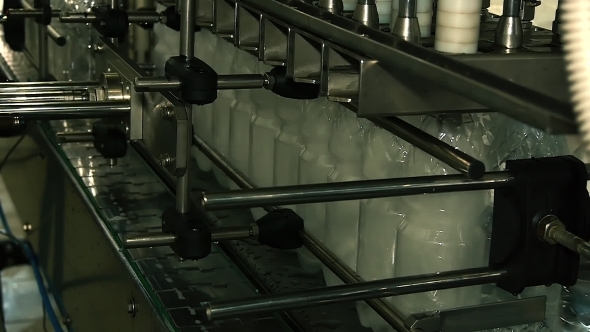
[(290, 165)]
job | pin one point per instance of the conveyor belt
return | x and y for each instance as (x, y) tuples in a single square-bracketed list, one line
[(131, 198)]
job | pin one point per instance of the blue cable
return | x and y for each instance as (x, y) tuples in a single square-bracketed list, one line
[(32, 257)]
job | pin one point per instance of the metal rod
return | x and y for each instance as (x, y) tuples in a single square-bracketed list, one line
[(187, 28), (476, 84), (43, 52), (45, 86), (155, 84), (149, 240), (74, 137), (351, 190), (44, 95), (30, 12), (351, 292), (451, 156), (245, 81), (342, 271), (55, 36), (217, 234), (133, 17), (65, 110)]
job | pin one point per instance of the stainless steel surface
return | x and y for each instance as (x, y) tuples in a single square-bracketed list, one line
[(366, 13), (481, 317), (21, 87), (155, 84), (245, 81), (89, 17), (333, 6), (341, 270), (351, 190), (44, 95), (509, 33), (187, 27), (64, 110), (523, 98), (352, 292), (451, 156), (151, 240), (553, 231), (406, 25), (512, 8)]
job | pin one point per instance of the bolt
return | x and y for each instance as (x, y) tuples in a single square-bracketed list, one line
[(97, 48), (165, 160), (132, 307), (546, 226), (167, 112), (27, 227)]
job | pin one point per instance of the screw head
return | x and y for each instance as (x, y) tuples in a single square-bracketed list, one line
[(132, 307), (165, 160), (27, 227)]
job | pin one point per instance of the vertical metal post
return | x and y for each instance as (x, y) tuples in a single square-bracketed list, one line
[(187, 48), (43, 52)]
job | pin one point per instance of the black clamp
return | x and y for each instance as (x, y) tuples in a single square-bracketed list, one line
[(110, 23), (280, 229), (172, 19), (110, 140), (192, 234), (287, 88), (46, 16), (198, 81), (544, 186)]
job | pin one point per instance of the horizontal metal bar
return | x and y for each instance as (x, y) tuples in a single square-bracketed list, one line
[(74, 137), (65, 110), (342, 271), (156, 84), (352, 190), (44, 95), (440, 150), (29, 12), (217, 234), (351, 292), (45, 86), (393, 53), (224, 82), (133, 17), (244, 81)]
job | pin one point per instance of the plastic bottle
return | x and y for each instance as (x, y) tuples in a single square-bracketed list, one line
[(442, 232), (265, 128), (203, 116), (225, 55), (242, 113), (288, 145), (383, 158), (342, 218), (315, 164)]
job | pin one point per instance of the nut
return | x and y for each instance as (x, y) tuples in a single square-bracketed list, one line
[(545, 227), (165, 160)]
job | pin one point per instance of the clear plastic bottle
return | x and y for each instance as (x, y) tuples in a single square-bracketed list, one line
[(315, 164), (203, 116), (288, 145), (442, 232), (265, 128), (242, 113), (383, 158), (225, 55), (342, 218)]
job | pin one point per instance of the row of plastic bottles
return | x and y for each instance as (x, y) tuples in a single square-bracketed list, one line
[(278, 142)]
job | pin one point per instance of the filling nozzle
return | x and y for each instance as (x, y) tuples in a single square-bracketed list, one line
[(407, 25), (509, 32), (335, 7), (366, 13)]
